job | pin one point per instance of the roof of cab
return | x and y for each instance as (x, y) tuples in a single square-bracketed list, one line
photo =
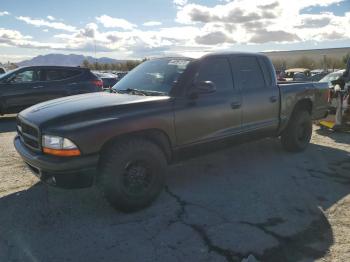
[(54, 67), (214, 54), (233, 53)]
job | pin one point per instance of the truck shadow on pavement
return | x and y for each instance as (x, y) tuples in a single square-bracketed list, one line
[(251, 199), (7, 124), (339, 136)]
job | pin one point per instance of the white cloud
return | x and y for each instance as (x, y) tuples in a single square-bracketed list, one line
[(11, 34), (180, 2), (2, 13), (89, 31), (264, 36), (249, 21), (15, 38), (200, 29), (51, 18), (45, 23), (213, 38), (111, 22), (152, 23)]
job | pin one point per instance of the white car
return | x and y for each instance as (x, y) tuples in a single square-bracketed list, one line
[(332, 76)]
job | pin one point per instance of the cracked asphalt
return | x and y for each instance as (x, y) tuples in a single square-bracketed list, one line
[(250, 200)]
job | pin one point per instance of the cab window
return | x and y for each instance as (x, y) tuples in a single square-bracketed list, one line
[(249, 73), (60, 74)]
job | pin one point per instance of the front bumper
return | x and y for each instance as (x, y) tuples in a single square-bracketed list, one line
[(53, 169)]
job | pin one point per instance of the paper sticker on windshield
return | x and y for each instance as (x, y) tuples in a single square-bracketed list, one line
[(178, 62)]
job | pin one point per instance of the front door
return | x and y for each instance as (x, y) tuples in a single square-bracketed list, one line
[(209, 116), (21, 90)]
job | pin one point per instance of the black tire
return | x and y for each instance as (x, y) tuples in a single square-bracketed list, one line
[(296, 137), (132, 174)]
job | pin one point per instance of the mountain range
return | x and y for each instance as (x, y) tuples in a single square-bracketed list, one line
[(66, 60), (77, 60)]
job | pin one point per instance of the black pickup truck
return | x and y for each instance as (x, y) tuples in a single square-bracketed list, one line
[(160, 110)]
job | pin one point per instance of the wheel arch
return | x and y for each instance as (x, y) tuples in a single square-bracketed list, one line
[(157, 136), (303, 104)]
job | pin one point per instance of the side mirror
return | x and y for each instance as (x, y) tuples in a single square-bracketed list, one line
[(201, 88)]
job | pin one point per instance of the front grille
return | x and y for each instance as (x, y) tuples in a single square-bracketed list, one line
[(27, 129), (28, 133)]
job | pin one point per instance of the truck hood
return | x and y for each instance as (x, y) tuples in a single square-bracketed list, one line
[(80, 105)]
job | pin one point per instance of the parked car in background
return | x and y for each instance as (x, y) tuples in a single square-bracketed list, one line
[(298, 76), (2, 71), (332, 77), (28, 86), (318, 77), (121, 75), (108, 79), (162, 109), (316, 72), (289, 74), (280, 75)]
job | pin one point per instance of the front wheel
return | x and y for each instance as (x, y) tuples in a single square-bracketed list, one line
[(132, 174), (297, 135)]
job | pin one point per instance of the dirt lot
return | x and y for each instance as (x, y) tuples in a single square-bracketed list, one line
[(253, 199)]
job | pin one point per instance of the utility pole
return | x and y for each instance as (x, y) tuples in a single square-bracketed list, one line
[(325, 63), (95, 53)]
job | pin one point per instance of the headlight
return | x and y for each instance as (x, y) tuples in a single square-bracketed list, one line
[(59, 146)]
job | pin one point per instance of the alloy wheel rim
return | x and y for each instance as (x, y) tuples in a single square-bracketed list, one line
[(137, 178)]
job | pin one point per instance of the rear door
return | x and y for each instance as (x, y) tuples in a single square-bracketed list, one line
[(60, 82), (76, 81), (260, 94), (209, 116)]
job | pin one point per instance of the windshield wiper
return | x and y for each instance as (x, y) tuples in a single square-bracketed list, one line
[(134, 91), (154, 93)]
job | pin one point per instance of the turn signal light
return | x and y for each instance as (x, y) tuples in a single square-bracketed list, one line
[(62, 152)]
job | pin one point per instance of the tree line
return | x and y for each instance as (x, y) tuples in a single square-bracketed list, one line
[(310, 63), (120, 66)]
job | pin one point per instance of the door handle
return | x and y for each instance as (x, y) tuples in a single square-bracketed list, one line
[(235, 105), (273, 99), (36, 87)]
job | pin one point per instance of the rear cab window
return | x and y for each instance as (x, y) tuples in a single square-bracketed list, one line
[(216, 70), (264, 63), (248, 72)]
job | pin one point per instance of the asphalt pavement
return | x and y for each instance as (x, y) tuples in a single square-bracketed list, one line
[(253, 200)]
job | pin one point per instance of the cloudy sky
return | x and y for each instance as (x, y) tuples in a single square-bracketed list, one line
[(137, 29)]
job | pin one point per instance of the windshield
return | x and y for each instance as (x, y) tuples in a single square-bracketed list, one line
[(154, 76)]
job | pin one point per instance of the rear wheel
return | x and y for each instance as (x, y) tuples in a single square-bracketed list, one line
[(298, 133), (132, 174)]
